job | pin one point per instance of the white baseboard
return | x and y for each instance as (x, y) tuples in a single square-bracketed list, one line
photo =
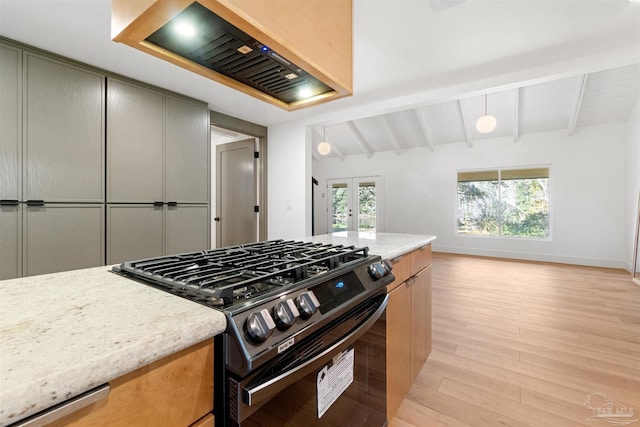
[(531, 256)]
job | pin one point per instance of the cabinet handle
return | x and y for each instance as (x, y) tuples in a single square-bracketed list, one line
[(35, 202), (217, 219), (9, 202), (55, 413), (158, 203), (397, 259), (172, 203)]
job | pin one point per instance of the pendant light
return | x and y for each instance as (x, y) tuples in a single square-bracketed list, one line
[(486, 123), (324, 147)]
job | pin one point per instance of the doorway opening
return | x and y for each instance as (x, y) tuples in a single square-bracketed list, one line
[(238, 181)]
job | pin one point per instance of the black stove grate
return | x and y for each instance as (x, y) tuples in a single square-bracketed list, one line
[(224, 277)]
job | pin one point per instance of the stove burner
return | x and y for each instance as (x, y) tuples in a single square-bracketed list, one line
[(224, 277)]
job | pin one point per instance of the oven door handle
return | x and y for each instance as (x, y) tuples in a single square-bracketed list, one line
[(256, 393)]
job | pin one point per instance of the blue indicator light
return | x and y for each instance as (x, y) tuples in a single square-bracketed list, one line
[(340, 285), (265, 49)]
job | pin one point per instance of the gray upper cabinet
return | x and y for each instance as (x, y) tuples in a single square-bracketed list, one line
[(10, 123), (135, 143), (64, 132), (187, 148), (60, 237)]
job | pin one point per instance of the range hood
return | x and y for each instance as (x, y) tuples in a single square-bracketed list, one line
[(281, 58)]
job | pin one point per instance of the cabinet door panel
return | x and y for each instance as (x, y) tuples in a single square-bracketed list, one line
[(135, 143), (187, 145), (10, 242), (187, 228), (10, 123), (420, 321), (64, 118), (62, 237), (134, 232), (398, 318)]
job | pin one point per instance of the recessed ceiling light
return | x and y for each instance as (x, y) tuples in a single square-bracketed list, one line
[(305, 93), (185, 29)]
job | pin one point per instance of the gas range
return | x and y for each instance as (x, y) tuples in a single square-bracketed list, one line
[(272, 292), (287, 303)]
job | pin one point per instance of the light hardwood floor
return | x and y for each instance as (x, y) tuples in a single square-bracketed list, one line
[(524, 344)]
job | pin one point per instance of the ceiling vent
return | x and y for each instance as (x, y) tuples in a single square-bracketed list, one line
[(201, 40)]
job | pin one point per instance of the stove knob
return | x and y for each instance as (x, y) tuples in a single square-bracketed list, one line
[(307, 304), (259, 325), (285, 313), (379, 269)]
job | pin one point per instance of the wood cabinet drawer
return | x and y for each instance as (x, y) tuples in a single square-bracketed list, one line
[(401, 269), (420, 259)]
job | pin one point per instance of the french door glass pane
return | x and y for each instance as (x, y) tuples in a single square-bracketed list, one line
[(367, 206), (339, 207)]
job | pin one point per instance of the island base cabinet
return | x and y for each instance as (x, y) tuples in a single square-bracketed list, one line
[(176, 391), (408, 323), (420, 320), (398, 323)]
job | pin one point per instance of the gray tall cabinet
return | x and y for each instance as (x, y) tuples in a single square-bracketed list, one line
[(157, 169), (95, 169), (52, 173)]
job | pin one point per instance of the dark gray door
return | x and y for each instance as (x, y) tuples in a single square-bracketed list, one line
[(236, 220)]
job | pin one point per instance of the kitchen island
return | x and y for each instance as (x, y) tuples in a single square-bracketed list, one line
[(63, 334)]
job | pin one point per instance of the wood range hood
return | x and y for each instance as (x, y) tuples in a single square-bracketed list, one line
[(291, 54)]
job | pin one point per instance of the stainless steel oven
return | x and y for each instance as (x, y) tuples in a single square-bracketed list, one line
[(336, 377)]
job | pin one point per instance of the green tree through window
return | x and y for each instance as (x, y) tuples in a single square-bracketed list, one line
[(504, 202)]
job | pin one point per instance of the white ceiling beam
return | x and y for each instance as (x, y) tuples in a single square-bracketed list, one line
[(422, 120), (390, 135), (464, 111), (516, 115), (363, 144), (334, 147), (577, 103)]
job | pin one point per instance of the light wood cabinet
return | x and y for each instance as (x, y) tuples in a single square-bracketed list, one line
[(315, 35), (398, 319), (176, 391), (408, 323)]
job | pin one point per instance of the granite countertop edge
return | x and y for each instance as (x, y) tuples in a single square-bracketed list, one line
[(76, 330)]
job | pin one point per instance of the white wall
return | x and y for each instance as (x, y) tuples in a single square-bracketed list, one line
[(632, 179), (289, 182), (587, 193)]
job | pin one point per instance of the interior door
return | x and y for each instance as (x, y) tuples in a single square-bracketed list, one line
[(236, 219), (356, 204)]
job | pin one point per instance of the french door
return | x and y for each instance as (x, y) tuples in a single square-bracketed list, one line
[(355, 204)]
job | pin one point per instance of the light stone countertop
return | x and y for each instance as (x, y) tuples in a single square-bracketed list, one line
[(387, 245), (62, 334)]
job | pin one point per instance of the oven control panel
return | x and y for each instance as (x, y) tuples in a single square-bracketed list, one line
[(275, 325)]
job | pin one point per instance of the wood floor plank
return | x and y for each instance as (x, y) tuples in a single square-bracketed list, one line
[(520, 343)]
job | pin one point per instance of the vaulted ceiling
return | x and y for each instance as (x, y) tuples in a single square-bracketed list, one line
[(569, 104), (413, 60)]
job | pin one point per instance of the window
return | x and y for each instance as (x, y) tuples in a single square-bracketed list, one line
[(504, 202)]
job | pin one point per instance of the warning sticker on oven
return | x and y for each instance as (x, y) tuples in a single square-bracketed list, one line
[(334, 379)]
